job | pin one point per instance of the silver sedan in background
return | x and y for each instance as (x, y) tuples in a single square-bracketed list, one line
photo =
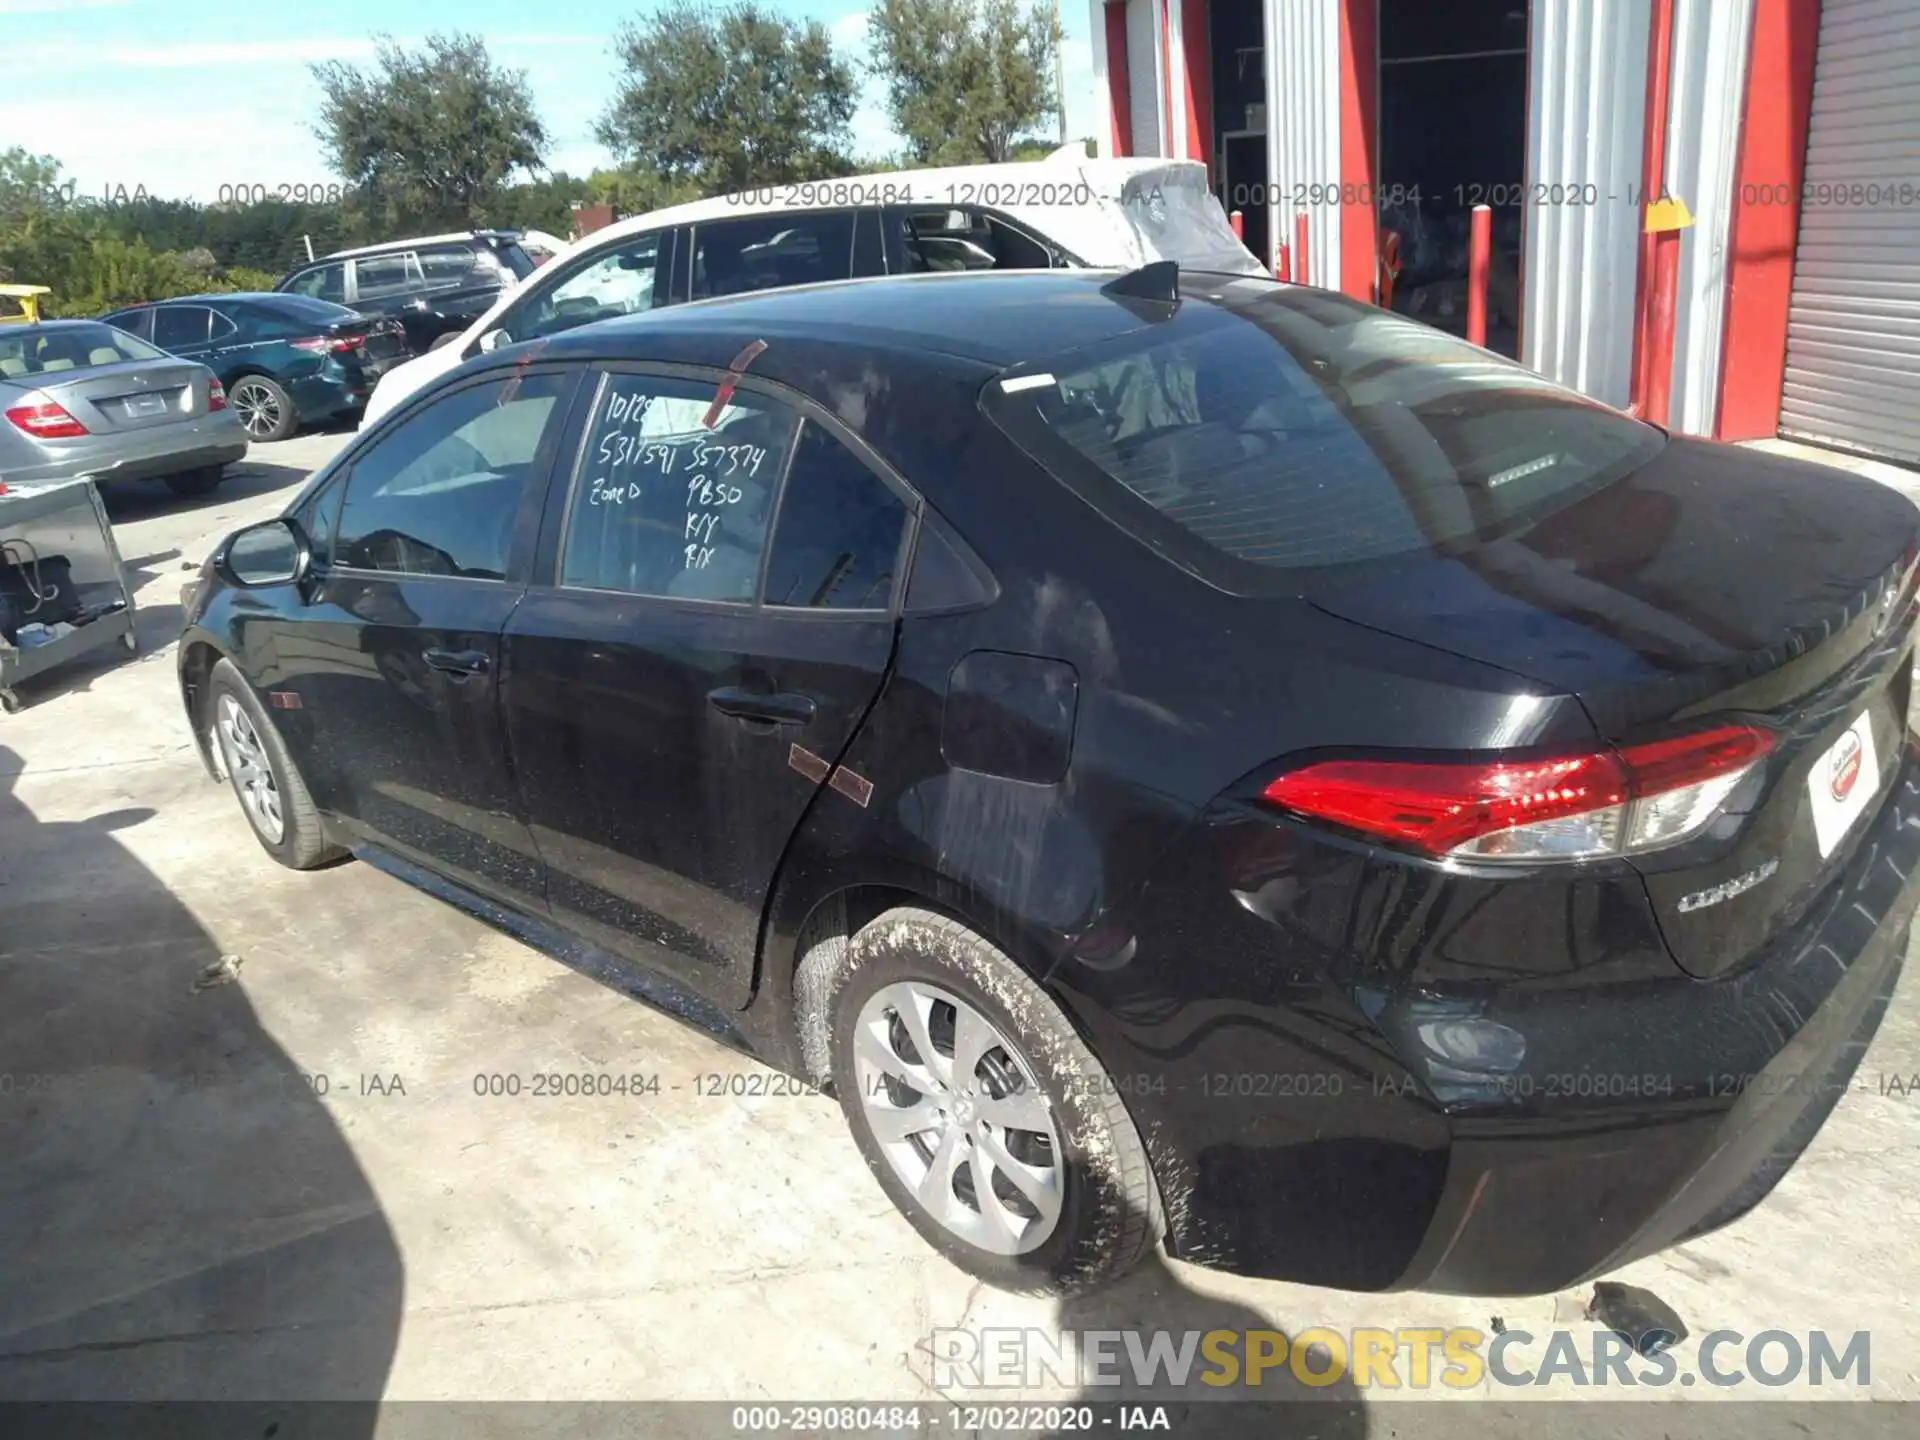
[(78, 397)]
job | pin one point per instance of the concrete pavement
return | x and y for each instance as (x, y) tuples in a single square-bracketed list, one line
[(290, 1185)]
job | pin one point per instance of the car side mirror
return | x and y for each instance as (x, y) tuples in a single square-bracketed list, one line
[(274, 552), (493, 340)]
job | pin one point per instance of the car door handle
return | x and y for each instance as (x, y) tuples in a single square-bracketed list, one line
[(458, 663), (779, 709)]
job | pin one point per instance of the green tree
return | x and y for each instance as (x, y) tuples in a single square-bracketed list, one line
[(434, 133), (720, 99), (30, 182), (966, 79)]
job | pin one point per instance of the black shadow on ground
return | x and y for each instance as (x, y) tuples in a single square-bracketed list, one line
[(180, 1215), (1155, 1298)]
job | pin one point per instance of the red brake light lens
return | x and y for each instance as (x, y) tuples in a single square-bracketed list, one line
[(328, 344), (216, 395), (45, 420), (1571, 807)]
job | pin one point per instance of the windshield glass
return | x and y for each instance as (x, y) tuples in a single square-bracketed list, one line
[(1278, 432), (64, 349)]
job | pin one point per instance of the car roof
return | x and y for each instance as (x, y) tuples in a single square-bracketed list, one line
[(993, 318), (1105, 176), (452, 238), (206, 298)]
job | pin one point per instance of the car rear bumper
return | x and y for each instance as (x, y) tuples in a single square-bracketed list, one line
[(147, 455), (1499, 1138), (323, 396)]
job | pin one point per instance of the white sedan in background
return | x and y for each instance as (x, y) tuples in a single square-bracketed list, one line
[(1065, 210)]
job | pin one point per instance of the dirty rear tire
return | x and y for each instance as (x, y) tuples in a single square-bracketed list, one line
[(1110, 1216), (303, 845)]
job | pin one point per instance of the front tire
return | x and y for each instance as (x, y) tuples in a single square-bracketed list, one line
[(265, 409), (983, 1114), (271, 793)]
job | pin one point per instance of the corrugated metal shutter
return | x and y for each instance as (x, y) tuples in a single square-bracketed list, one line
[(1853, 334), (1586, 113)]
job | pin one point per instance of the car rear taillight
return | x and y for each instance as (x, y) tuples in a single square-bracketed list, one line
[(329, 344), (44, 419), (1568, 807), (216, 396)]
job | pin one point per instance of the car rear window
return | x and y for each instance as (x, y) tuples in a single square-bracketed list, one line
[(67, 349), (1275, 434), (517, 260)]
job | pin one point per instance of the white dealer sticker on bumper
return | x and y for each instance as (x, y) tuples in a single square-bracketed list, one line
[(1843, 781)]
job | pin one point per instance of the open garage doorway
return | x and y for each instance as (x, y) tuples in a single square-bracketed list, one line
[(1236, 43), (1452, 134)]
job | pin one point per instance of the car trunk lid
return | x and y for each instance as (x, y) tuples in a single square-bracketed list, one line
[(130, 395), (1710, 581), (385, 341)]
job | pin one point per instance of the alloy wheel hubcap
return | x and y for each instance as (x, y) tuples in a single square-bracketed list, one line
[(957, 1112), (252, 774), (259, 411)]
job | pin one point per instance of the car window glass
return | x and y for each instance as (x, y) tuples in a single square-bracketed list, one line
[(329, 282), (959, 238), (381, 275), (175, 326), (222, 327), (134, 322), (764, 252), (665, 504), (838, 536), (442, 266), (319, 515), (1225, 432), (37, 350), (439, 493), (618, 281)]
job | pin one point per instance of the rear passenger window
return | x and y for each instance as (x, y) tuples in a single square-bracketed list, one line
[(838, 539), (964, 239), (178, 326), (664, 503), (328, 282), (445, 266), (382, 275), (765, 252), (440, 492)]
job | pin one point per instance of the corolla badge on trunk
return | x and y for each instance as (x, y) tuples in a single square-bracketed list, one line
[(1727, 889)]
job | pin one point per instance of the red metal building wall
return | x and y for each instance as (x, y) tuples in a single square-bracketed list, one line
[(1765, 231)]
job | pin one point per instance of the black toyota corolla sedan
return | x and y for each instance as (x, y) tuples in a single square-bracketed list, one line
[(1183, 757)]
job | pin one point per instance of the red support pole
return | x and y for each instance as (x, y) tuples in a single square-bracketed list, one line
[(1652, 185), (1662, 312), (1282, 263), (1239, 223), (1479, 259), (1300, 248)]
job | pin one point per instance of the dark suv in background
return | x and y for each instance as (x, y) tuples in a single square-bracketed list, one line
[(435, 286), (285, 360)]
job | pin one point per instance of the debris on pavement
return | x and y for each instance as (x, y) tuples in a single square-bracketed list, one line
[(223, 971), (1646, 1321)]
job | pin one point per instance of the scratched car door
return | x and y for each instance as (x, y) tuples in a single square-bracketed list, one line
[(669, 723)]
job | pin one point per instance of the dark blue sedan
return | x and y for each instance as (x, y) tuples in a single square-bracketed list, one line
[(286, 360)]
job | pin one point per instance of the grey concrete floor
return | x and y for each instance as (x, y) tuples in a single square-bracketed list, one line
[(287, 1186)]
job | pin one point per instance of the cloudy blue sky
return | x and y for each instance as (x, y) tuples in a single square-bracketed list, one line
[(185, 99)]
